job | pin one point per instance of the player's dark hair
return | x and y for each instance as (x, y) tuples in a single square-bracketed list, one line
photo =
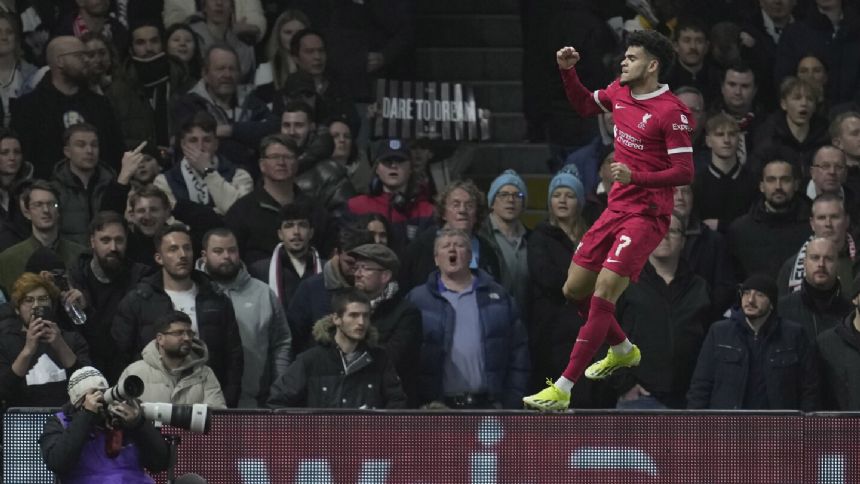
[(656, 45)]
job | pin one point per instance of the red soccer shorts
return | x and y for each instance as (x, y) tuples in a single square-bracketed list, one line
[(621, 242)]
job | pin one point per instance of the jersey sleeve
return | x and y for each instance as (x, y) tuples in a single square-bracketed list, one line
[(676, 125), (587, 103)]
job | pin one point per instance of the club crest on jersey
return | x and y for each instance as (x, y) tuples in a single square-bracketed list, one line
[(644, 122), (684, 119)]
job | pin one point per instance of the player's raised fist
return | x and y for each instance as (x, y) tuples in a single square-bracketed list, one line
[(566, 57)]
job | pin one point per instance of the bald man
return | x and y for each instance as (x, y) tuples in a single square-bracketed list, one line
[(820, 303), (60, 100)]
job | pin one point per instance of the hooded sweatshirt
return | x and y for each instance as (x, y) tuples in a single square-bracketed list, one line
[(266, 338), (192, 382)]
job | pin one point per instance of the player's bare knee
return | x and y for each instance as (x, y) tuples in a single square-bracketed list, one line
[(610, 286)]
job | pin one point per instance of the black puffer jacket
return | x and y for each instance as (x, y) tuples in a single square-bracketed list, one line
[(321, 377), (328, 182), (132, 327)]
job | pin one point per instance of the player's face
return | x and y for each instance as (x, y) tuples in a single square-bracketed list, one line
[(820, 264), (723, 141), (798, 106), (778, 184), (755, 304), (636, 65), (692, 45), (829, 170), (508, 204), (829, 221)]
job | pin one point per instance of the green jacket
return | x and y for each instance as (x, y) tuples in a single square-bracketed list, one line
[(14, 259)]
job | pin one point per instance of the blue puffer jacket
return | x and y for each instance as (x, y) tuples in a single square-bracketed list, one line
[(505, 344)]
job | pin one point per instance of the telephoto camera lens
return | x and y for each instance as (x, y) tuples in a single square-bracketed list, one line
[(131, 387), (194, 417)]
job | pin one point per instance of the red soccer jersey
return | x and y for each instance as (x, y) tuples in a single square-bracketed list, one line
[(652, 137)]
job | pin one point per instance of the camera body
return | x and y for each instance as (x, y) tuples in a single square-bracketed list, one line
[(40, 312)]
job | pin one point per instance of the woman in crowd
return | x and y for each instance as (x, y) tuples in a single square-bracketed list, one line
[(347, 153), (377, 225), (271, 76), (15, 174), (183, 45)]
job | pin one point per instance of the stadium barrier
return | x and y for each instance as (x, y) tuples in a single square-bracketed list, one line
[(384, 447)]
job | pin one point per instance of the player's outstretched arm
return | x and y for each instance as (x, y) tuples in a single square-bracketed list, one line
[(585, 102), (566, 57)]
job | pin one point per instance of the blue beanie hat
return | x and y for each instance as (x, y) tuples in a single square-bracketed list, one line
[(508, 177), (567, 177)]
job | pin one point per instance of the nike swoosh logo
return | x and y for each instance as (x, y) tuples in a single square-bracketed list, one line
[(618, 106), (612, 260)]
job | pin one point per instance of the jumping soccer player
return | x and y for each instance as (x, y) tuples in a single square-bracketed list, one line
[(653, 154)]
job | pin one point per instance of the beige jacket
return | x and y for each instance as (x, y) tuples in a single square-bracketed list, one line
[(193, 382)]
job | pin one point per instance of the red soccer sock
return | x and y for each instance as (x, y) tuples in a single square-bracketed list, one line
[(583, 306), (591, 336)]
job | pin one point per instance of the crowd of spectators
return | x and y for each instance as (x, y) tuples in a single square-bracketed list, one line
[(188, 194)]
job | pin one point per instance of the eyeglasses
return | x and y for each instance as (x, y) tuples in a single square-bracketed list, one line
[(43, 205), (181, 332), (511, 195), (830, 167), (37, 299), (364, 267)]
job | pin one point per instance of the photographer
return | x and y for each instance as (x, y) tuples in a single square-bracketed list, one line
[(90, 442), (36, 356)]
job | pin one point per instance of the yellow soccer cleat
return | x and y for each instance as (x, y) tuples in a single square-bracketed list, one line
[(613, 362), (550, 398)]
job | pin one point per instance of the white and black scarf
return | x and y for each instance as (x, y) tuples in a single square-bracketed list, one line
[(795, 278)]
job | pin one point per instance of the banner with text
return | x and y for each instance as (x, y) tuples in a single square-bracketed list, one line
[(490, 448), (434, 110)]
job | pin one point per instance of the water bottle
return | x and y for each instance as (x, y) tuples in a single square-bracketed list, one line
[(75, 313)]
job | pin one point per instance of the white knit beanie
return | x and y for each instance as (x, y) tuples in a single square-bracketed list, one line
[(83, 380)]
